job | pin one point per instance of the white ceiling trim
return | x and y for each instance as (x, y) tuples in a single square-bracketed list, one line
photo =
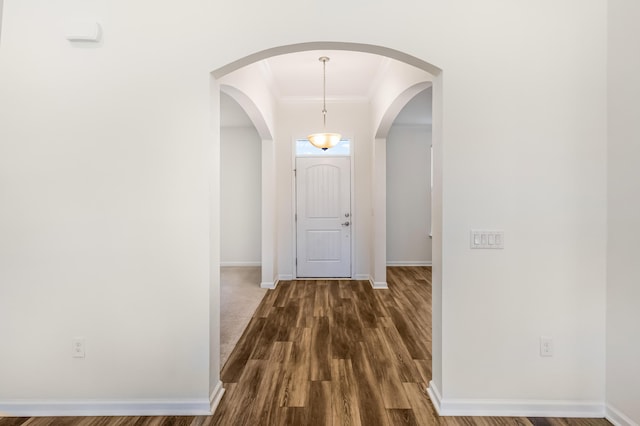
[(317, 99)]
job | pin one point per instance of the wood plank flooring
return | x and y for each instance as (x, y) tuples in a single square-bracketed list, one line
[(329, 353)]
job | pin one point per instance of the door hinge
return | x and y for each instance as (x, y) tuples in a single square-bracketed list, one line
[(295, 172)]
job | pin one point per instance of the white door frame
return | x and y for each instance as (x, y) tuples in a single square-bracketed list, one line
[(294, 227)]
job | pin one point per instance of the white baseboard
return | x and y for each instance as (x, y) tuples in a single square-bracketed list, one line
[(268, 284), (434, 395), (249, 263), (618, 418), (514, 408), (215, 397), (379, 285), (409, 263), (55, 408), (521, 408), (285, 277), (374, 284)]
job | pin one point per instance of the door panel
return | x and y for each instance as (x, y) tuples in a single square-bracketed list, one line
[(323, 205)]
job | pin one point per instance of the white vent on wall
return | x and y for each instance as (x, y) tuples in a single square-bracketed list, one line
[(83, 31)]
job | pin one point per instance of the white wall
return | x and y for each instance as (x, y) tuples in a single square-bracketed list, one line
[(241, 187), (212, 156), (525, 91), (297, 120), (1, 8), (408, 195), (104, 164), (623, 291)]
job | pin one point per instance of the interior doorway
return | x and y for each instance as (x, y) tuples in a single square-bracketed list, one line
[(240, 217), (240, 187), (408, 155)]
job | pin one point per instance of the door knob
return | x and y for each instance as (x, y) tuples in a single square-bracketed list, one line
[(346, 223)]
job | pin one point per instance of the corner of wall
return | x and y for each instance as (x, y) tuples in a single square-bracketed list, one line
[(216, 396)]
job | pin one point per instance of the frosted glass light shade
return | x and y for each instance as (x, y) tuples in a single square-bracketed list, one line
[(324, 140)]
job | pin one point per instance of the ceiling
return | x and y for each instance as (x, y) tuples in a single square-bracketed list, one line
[(350, 76)]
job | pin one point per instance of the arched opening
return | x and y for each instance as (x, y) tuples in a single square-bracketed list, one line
[(389, 101), (398, 105), (240, 217), (328, 45), (397, 100), (250, 108), (408, 171)]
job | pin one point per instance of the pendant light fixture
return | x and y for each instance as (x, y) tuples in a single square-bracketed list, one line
[(324, 140)]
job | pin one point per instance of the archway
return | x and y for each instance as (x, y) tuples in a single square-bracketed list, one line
[(397, 100), (408, 188), (259, 121), (383, 116)]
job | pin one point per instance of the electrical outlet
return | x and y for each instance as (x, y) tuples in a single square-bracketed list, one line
[(546, 346), (77, 347)]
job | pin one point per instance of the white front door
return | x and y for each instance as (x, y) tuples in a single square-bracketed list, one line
[(323, 205)]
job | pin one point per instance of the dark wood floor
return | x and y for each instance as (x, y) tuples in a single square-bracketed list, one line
[(329, 353)]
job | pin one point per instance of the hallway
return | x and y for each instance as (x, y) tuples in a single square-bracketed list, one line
[(323, 352)]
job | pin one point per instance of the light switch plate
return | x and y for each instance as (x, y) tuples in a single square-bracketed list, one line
[(487, 239)]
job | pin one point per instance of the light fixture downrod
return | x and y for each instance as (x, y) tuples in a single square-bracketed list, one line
[(324, 140)]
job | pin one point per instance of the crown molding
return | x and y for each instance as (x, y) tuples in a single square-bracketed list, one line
[(330, 100)]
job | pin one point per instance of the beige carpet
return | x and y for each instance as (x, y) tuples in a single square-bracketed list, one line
[(240, 295)]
